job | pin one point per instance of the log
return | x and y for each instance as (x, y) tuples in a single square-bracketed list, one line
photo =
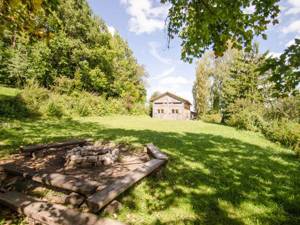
[(155, 152), (33, 148), (48, 213), (57, 180), (101, 198), (66, 182)]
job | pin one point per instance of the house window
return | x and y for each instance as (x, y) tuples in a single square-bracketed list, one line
[(175, 111), (160, 111)]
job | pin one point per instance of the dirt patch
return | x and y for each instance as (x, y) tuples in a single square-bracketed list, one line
[(53, 161)]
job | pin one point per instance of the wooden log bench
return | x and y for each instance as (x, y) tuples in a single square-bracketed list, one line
[(57, 180), (155, 152), (28, 150), (101, 198), (48, 213)]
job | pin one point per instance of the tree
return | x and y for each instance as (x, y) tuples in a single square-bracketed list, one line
[(244, 82), (154, 95), (58, 42), (285, 71), (201, 86), (221, 71), (201, 24)]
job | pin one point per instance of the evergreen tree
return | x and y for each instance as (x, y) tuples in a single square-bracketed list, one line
[(244, 82)]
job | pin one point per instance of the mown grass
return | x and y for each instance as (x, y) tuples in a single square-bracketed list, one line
[(8, 92), (216, 174)]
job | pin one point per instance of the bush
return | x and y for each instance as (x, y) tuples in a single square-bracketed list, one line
[(78, 103), (14, 107), (287, 107), (53, 109), (285, 132), (245, 115), (212, 118)]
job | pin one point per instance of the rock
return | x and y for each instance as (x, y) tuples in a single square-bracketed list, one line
[(74, 199), (113, 207), (38, 154), (107, 161), (58, 199)]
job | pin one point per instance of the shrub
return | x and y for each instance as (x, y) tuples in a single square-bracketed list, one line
[(245, 115), (14, 107), (64, 85), (212, 118), (287, 107), (285, 132), (77, 103), (54, 109)]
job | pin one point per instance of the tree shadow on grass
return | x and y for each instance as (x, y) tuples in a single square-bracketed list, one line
[(209, 179)]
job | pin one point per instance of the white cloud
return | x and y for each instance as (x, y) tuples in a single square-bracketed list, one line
[(111, 30), (291, 42), (164, 73), (295, 7), (154, 51), (293, 27), (274, 54), (144, 16)]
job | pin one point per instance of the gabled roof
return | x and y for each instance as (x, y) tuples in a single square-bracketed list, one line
[(172, 95)]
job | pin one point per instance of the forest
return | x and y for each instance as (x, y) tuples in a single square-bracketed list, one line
[(60, 54)]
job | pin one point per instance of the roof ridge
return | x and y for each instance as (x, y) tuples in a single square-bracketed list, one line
[(172, 95)]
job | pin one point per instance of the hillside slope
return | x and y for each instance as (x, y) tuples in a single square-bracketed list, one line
[(216, 174)]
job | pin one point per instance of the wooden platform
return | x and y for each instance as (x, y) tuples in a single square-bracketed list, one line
[(155, 152), (101, 198), (57, 180), (51, 214), (97, 195)]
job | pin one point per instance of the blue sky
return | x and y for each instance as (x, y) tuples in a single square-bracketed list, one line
[(141, 23)]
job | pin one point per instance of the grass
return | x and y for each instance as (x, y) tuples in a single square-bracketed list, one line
[(8, 92), (216, 174)]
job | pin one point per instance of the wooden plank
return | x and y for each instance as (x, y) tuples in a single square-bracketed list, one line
[(155, 152), (57, 180), (48, 213), (33, 148), (66, 182), (101, 198)]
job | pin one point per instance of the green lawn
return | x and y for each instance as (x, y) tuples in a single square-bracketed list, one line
[(216, 174)]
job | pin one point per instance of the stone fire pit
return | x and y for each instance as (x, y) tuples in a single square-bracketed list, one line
[(91, 155)]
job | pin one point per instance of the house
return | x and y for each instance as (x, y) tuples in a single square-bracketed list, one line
[(170, 106)]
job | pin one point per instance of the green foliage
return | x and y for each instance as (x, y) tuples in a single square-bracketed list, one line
[(201, 86), (245, 97), (64, 43), (212, 117), (285, 71), (287, 107), (201, 24), (60, 102), (245, 115), (243, 82), (285, 132), (54, 109)]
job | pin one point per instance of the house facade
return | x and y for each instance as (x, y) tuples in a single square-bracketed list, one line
[(170, 106)]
